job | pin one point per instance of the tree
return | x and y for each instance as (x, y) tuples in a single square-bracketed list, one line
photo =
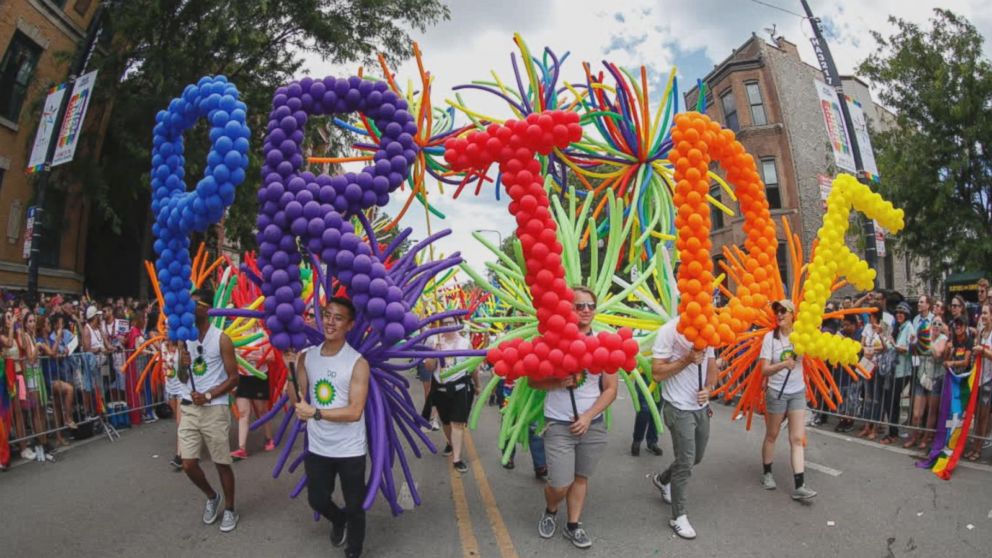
[(160, 46), (935, 164)]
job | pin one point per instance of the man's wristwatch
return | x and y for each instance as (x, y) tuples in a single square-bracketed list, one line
[(316, 414), (209, 396)]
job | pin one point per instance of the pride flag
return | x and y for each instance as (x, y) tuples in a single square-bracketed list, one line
[(957, 409)]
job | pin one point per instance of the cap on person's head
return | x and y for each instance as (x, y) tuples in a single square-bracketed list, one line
[(92, 312), (205, 295), (784, 304), (904, 308)]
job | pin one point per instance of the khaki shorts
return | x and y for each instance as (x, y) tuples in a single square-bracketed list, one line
[(206, 424)]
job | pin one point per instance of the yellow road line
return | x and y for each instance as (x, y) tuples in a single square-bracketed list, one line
[(502, 534), (470, 547)]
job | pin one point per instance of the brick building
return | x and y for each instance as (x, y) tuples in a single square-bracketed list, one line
[(39, 39), (766, 94)]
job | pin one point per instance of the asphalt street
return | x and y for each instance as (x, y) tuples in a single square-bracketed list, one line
[(123, 499)]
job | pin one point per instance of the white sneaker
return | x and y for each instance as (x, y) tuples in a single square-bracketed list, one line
[(229, 521), (768, 481), (682, 527), (28, 454), (434, 425), (665, 489)]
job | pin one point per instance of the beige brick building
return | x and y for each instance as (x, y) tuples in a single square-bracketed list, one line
[(39, 39)]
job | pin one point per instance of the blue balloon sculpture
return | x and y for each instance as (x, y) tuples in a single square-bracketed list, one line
[(178, 212)]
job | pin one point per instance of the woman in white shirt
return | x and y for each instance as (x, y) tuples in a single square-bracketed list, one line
[(452, 396), (785, 396), (983, 350)]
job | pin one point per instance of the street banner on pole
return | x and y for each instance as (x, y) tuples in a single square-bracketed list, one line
[(28, 232), (840, 143), (860, 124), (879, 239), (75, 114), (45, 128)]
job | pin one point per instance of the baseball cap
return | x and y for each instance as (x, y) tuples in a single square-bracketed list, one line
[(784, 304)]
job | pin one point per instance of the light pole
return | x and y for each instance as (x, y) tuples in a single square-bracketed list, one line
[(499, 235)]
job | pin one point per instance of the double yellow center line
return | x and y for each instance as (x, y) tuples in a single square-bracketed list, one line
[(470, 546)]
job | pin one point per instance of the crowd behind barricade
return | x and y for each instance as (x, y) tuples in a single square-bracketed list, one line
[(67, 372)]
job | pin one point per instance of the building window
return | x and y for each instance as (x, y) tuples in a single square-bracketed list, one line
[(730, 110), (52, 225), (782, 259), (82, 6), (757, 108), (769, 175), (16, 71), (58, 3), (890, 268), (716, 216), (2, 173)]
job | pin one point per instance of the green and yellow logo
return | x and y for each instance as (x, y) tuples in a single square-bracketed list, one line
[(199, 367), (323, 392), (787, 354), (581, 380)]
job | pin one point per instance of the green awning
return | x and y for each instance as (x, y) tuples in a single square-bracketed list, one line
[(964, 278)]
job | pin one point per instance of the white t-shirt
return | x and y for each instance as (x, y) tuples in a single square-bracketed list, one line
[(558, 404), (211, 373), (173, 387), (329, 383), (680, 390), (460, 343), (775, 351), (986, 361)]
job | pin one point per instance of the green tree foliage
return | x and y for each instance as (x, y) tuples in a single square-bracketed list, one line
[(936, 163), (160, 46)]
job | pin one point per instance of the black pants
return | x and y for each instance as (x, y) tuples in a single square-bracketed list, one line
[(320, 484), (892, 400)]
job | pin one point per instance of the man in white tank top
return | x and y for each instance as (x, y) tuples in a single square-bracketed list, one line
[(334, 381), (209, 374), (575, 434)]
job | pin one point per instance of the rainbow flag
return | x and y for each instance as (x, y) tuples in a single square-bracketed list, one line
[(957, 410)]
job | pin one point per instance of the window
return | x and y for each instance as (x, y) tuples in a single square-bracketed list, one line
[(716, 216), (16, 71), (730, 110), (58, 3), (770, 177), (52, 225), (757, 108), (782, 259)]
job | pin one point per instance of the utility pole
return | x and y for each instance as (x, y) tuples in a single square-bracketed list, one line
[(832, 78), (78, 68)]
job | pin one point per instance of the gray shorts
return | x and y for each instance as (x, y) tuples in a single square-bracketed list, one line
[(788, 402), (569, 455)]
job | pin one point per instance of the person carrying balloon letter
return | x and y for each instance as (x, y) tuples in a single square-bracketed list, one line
[(209, 375), (335, 377), (452, 396), (575, 434), (785, 396), (685, 397)]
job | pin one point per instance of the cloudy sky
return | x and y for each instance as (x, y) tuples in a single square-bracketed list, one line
[(659, 34)]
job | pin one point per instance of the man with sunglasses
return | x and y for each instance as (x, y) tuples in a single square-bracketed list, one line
[(208, 376), (336, 379)]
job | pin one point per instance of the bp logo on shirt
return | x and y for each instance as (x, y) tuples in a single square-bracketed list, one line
[(581, 380), (787, 354), (323, 392)]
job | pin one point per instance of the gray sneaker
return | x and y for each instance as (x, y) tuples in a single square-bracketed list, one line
[(548, 525), (578, 537), (212, 509), (229, 522), (768, 482), (665, 489), (803, 493)]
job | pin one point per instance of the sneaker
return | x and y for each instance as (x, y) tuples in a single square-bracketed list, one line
[(803, 493), (434, 425), (176, 463), (768, 481), (682, 527), (666, 489), (229, 522), (151, 417), (509, 464), (28, 454), (339, 535), (447, 450), (548, 525), (239, 454), (270, 445), (460, 466), (653, 448), (577, 536), (541, 473), (635, 449), (212, 509)]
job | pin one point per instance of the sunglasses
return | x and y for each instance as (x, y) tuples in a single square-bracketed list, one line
[(955, 305), (585, 306), (782, 311), (201, 303)]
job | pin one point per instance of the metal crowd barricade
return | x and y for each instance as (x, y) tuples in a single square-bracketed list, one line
[(78, 396)]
